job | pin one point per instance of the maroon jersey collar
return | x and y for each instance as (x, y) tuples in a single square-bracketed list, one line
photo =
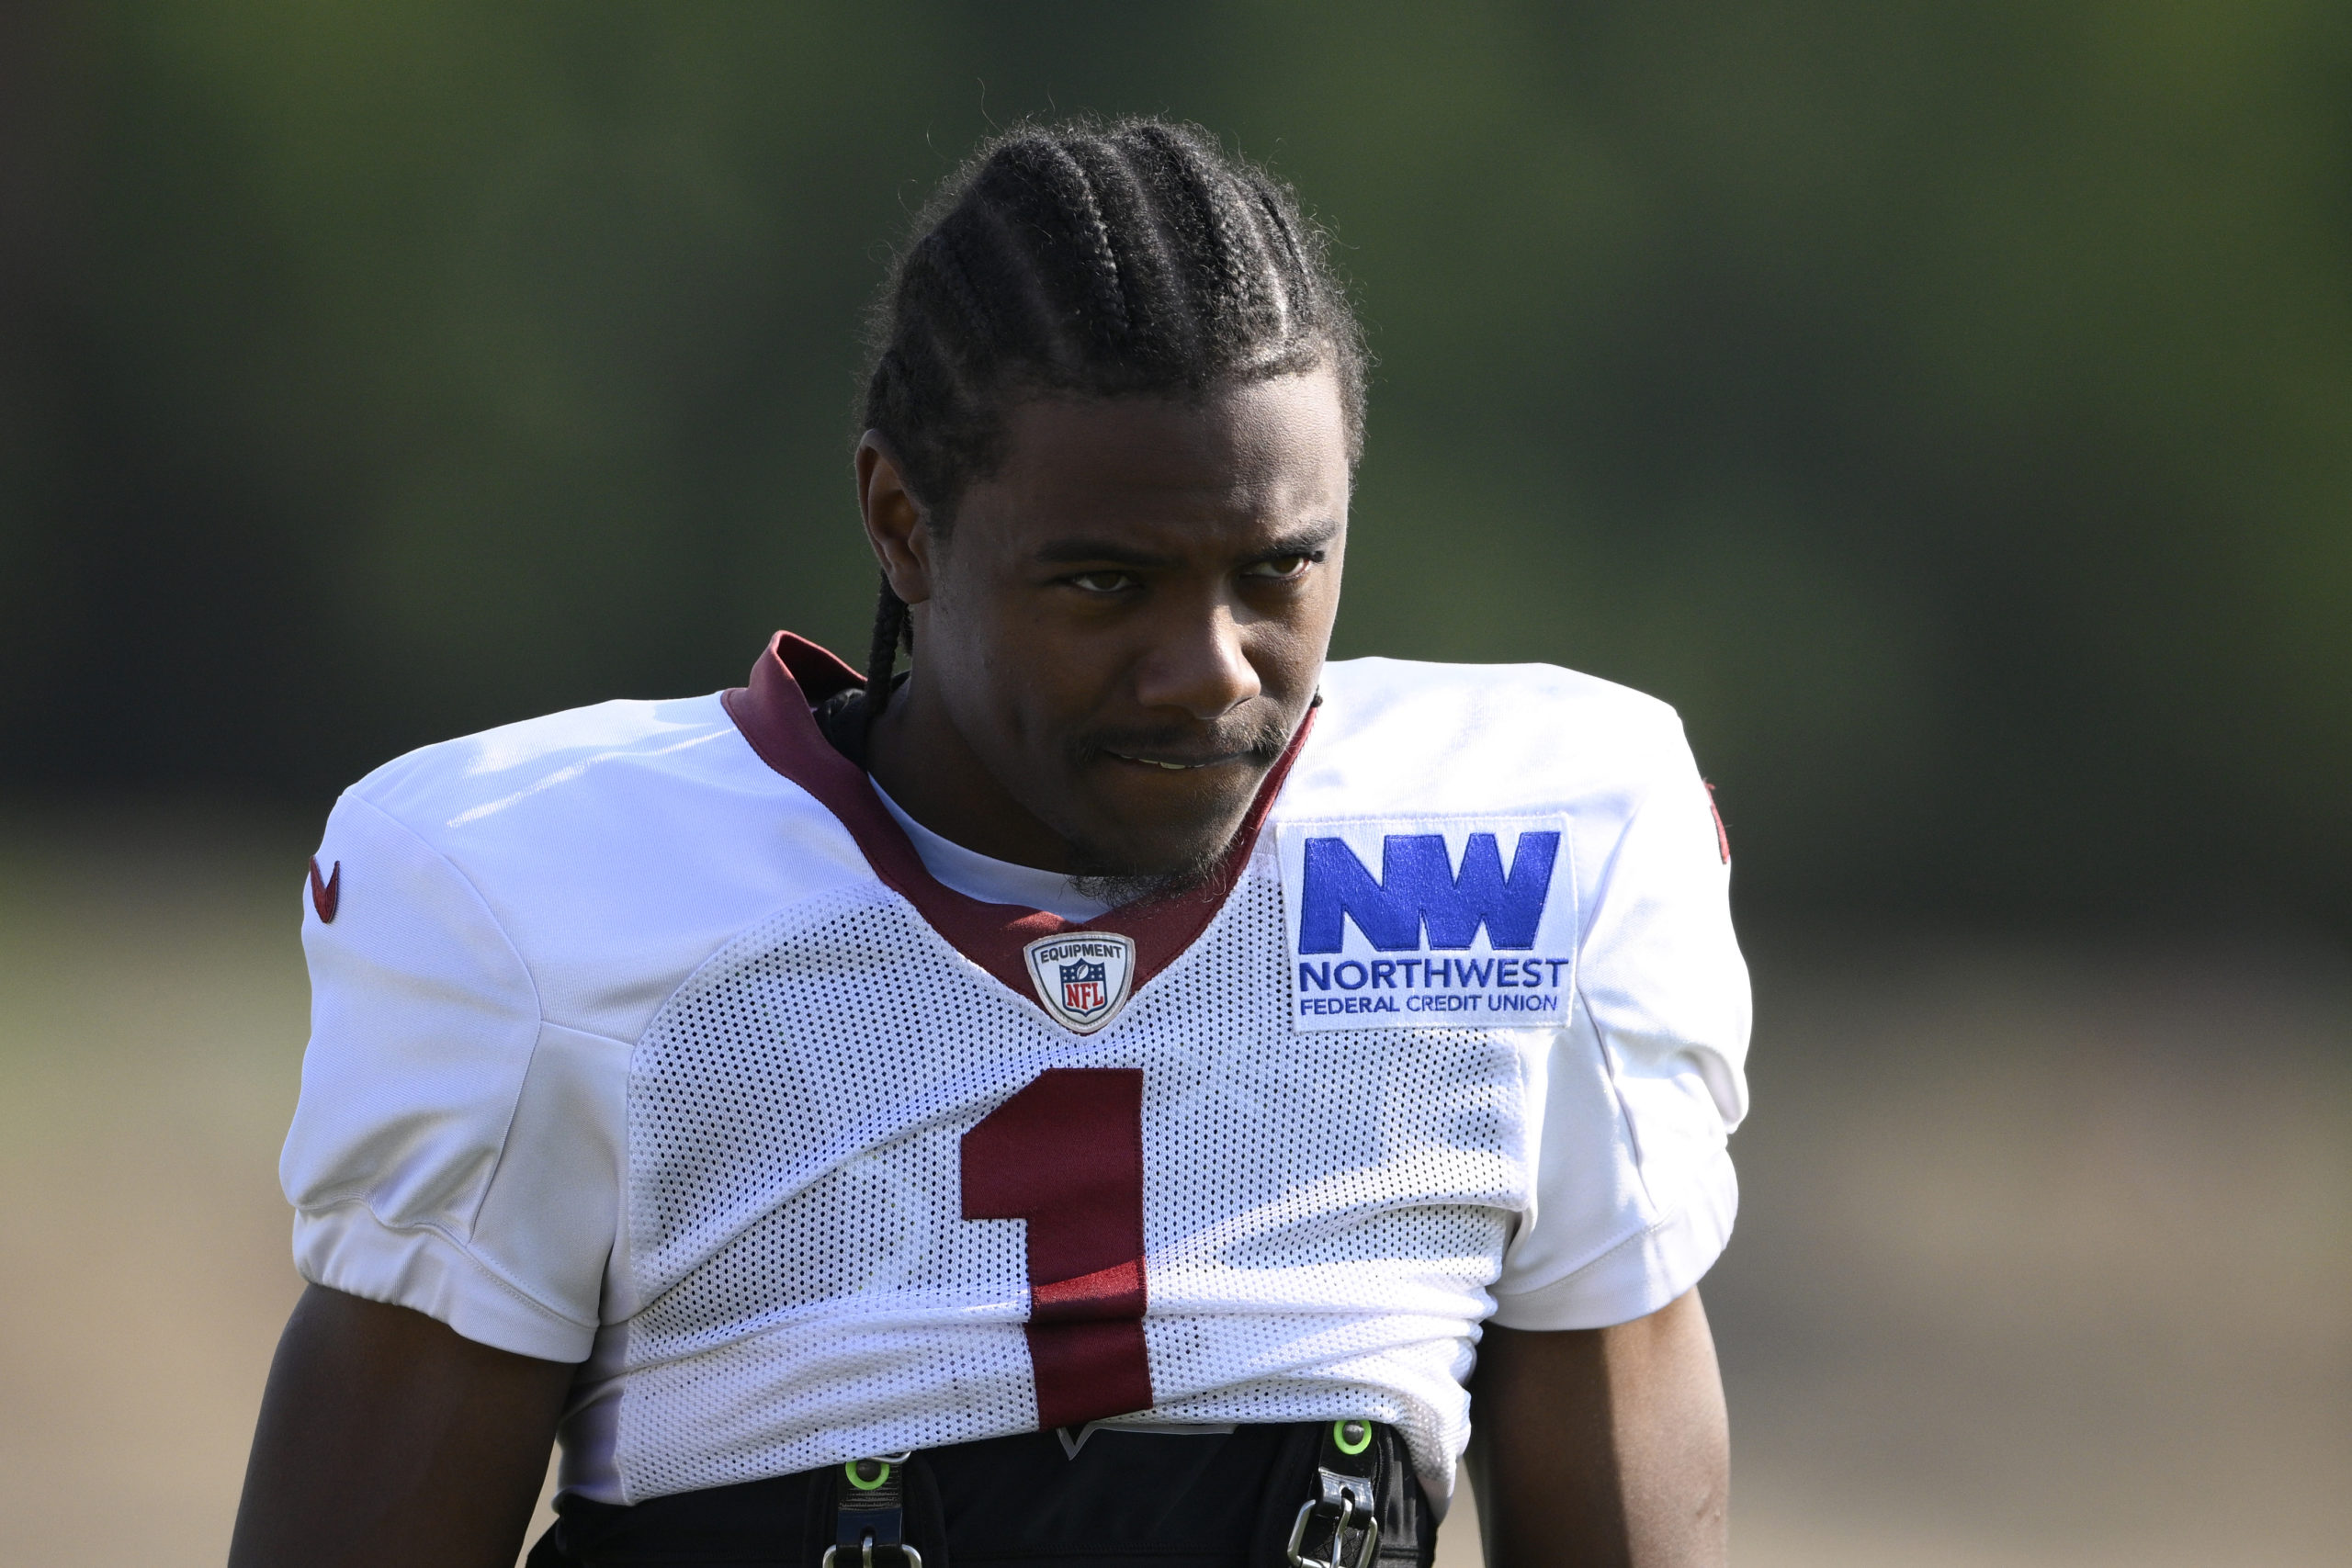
[(772, 713)]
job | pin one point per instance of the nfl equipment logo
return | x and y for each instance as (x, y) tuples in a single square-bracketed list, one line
[(1081, 977), (1083, 991)]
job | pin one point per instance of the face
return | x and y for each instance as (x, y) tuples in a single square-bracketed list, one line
[(1124, 625)]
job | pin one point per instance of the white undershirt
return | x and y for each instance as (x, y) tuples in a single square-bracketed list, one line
[(992, 881)]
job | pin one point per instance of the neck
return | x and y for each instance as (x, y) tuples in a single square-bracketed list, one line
[(916, 753)]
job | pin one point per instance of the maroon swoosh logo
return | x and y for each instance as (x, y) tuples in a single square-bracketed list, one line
[(326, 892)]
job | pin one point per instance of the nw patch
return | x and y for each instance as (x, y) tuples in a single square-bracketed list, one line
[(1462, 922)]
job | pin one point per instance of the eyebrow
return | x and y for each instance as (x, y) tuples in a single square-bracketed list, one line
[(1306, 541)]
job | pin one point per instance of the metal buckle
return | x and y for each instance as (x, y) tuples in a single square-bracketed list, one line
[(887, 1494), (1347, 1504), (865, 1550)]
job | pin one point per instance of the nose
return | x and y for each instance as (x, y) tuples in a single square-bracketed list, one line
[(1199, 668)]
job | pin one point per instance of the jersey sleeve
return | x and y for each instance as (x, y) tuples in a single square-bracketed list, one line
[(1635, 1189), (451, 1152)]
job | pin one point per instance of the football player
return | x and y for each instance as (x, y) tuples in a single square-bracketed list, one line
[(1121, 1088)]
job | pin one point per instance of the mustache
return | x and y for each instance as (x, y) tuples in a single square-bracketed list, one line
[(1257, 741)]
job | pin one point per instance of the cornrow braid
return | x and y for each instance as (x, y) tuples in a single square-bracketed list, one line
[(892, 628), (1131, 257), (1070, 186)]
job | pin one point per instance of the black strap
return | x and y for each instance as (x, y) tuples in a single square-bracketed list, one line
[(1143, 1500), (1360, 1513), (879, 1513), (870, 1515), (1408, 1524)]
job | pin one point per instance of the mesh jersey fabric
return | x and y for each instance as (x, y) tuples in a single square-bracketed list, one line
[(623, 1050), (795, 1120)]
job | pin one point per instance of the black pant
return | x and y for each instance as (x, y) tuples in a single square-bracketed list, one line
[(1127, 1498)]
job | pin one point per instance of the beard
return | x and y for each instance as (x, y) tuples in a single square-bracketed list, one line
[(1112, 876), (1120, 888)]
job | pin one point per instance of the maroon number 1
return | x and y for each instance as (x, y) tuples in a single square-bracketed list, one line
[(1065, 1153)]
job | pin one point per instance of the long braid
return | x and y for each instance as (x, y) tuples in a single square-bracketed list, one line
[(892, 625), (1088, 259)]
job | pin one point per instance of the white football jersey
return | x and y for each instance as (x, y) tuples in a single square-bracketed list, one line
[(643, 1038)]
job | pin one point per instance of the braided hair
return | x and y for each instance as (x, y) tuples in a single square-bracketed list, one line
[(1097, 259)]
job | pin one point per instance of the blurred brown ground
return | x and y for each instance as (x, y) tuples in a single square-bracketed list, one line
[(2044, 1258)]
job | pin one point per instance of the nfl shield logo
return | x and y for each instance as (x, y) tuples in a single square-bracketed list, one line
[(1083, 992), (1081, 977)]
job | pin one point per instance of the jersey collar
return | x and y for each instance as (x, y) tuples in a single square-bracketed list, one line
[(772, 713)]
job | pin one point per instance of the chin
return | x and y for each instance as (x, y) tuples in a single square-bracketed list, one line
[(1121, 888), (1129, 859)]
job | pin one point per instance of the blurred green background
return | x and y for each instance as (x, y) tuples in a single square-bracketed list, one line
[(1948, 406)]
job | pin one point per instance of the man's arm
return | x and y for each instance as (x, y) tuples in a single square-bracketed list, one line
[(1598, 1447), (388, 1439)]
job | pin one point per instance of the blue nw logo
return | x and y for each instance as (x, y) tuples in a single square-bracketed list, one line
[(1419, 886), (1080, 972)]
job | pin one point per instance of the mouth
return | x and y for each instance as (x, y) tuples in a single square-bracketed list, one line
[(1172, 764), (1224, 752)]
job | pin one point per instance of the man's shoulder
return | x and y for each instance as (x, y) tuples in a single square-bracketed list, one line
[(609, 805), (1475, 693), (1480, 737), (605, 756), (616, 847)]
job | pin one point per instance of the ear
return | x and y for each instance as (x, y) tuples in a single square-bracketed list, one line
[(894, 528)]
